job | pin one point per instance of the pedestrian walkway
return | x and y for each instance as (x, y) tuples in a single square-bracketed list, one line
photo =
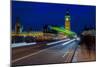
[(82, 54)]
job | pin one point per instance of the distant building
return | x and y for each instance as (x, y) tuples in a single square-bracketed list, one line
[(67, 21)]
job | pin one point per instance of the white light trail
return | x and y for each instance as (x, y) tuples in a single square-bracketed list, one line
[(58, 42), (22, 44), (68, 41)]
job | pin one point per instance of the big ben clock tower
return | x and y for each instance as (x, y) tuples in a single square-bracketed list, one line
[(67, 21)]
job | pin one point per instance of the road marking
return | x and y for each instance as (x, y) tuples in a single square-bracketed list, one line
[(65, 54), (28, 56), (68, 59), (32, 54), (68, 52)]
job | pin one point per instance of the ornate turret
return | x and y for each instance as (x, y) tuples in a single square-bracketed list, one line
[(18, 28)]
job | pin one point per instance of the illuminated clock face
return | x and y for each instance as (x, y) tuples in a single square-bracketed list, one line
[(67, 19)]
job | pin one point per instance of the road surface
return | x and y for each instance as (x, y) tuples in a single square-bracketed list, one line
[(60, 53)]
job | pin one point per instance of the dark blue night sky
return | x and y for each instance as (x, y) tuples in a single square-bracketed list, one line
[(35, 14)]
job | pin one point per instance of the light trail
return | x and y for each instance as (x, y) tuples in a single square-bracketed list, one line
[(69, 42), (58, 42), (18, 59), (22, 44)]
